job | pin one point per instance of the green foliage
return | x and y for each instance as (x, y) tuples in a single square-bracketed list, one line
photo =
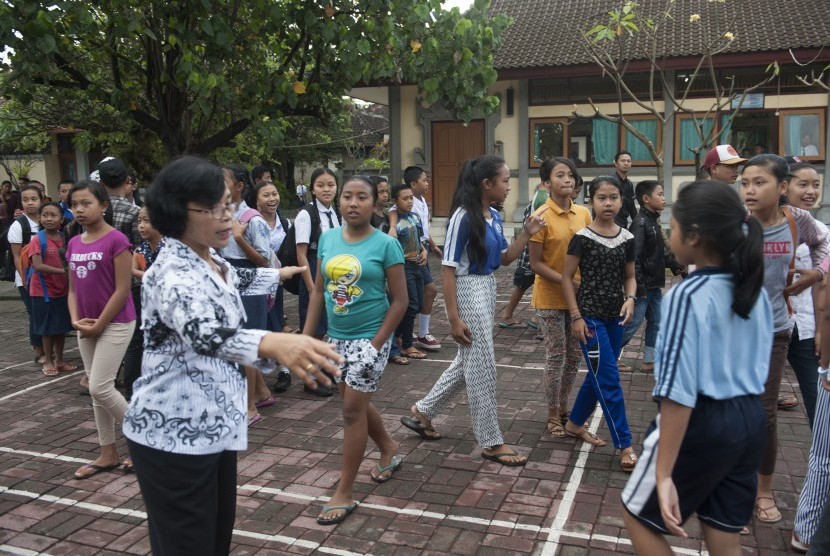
[(196, 73)]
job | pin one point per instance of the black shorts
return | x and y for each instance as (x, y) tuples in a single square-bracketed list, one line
[(715, 472), (523, 280)]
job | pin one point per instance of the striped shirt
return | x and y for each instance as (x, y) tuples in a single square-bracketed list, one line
[(703, 347), (456, 245)]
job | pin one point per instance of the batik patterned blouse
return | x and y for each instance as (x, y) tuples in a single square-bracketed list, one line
[(191, 397)]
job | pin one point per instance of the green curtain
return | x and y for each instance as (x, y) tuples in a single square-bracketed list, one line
[(604, 141), (726, 126), (689, 138), (638, 150)]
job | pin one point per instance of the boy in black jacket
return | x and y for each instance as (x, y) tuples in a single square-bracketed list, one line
[(652, 257)]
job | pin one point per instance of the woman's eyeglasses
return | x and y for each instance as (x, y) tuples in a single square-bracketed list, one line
[(218, 212)]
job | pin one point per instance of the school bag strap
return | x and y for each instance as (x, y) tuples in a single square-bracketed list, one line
[(791, 272), (25, 229), (248, 215), (30, 269)]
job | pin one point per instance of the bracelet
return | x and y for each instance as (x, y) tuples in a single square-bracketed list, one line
[(634, 297), (822, 372), (576, 318)]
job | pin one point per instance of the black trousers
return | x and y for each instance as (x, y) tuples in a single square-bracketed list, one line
[(135, 349), (190, 500)]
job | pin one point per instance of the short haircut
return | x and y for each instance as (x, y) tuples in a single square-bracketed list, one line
[(52, 204), (645, 187), (396, 189), (258, 171), (619, 154), (252, 193), (188, 179), (412, 173), (32, 187), (67, 181)]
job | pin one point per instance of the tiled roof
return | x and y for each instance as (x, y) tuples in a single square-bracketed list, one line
[(546, 33), (371, 122)]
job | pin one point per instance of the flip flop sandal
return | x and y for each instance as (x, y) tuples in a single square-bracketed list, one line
[(254, 420), (95, 470), (414, 354), (787, 402), (628, 461), (414, 424), (555, 429), (391, 468), (512, 325), (50, 371), (623, 368), (590, 438), (534, 325), (399, 360), (265, 403), (127, 467), (67, 367), (348, 509), (763, 514), (502, 458)]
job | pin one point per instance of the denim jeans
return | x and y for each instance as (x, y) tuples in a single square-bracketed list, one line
[(648, 309), (415, 293)]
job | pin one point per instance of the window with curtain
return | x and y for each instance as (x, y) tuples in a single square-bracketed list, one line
[(688, 137), (547, 138), (801, 133), (639, 152), (604, 141)]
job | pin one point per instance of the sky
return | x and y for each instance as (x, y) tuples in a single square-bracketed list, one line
[(462, 4)]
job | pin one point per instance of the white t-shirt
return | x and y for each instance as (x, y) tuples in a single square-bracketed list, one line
[(420, 207), (16, 236), (302, 224), (805, 315)]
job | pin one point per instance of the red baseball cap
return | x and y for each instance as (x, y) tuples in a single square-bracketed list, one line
[(722, 154)]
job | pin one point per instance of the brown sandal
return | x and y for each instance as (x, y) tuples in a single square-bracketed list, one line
[(555, 428), (766, 515), (628, 460), (588, 437)]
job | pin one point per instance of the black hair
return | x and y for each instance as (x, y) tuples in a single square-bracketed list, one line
[(70, 182), (253, 192), (258, 171), (32, 187), (468, 196), (714, 211), (52, 204), (547, 166), (316, 174), (367, 180), (795, 167), (396, 189), (379, 179), (579, 182), (645, 187), (600, 180), (412, 173), (188, 179), (620, 153), (98, 191), (5, 182), (776, 165)]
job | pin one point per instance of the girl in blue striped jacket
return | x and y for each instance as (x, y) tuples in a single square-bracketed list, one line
[(702, 452)]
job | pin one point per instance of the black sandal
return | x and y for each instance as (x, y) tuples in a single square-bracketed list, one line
[(414, 424)]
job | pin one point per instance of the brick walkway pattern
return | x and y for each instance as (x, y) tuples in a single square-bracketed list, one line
[(445, 499)]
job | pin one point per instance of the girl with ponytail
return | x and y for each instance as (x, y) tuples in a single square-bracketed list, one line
[(711, 364), (475, 247)]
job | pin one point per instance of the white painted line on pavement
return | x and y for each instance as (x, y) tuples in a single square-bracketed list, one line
[(46, 455), (41, 385), (8, 549), (290, 541)]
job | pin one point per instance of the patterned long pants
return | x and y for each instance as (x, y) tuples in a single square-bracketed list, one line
[(562, 356), (474, 366), (817, 484)]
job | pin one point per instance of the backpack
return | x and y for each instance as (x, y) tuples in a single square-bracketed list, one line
[(27, 269), (8, 271), (287, 253)]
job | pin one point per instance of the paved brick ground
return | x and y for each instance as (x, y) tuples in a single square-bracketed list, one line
[(445, 498)]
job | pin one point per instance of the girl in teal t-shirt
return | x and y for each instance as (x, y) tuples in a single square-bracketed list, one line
[(356, 263)]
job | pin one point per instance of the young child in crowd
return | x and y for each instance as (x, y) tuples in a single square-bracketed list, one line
[(356, 264), (21, 232), (650, 261), (604, 254), (763, 185), (417, 179), (102, 312), (548, 249), (711, 363), (475, 248), (409, 230), (379, 218), (48, 289)]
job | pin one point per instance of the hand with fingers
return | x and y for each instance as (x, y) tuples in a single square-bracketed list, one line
[(304, 356)]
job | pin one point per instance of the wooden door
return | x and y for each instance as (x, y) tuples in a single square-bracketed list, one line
[(453, 143)]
